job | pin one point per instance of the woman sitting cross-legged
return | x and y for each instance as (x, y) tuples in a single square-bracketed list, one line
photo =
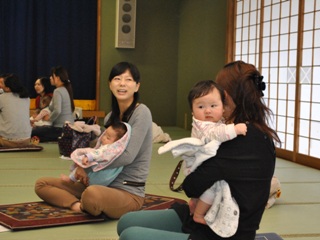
[(126, 193)]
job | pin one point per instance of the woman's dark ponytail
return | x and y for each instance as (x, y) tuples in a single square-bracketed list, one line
[(64, 77)]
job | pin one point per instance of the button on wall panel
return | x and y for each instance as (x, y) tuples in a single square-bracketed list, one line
[(125, 24)]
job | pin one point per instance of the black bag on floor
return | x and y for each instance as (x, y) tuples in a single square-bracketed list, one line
[(71, 140)]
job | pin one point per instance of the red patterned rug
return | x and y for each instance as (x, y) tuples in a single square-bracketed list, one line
[(31, 215)]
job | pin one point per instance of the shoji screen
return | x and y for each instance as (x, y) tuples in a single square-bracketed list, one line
[(282, 38)]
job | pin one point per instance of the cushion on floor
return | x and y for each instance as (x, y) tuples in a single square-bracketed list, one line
[(31, 147), (268, 236), (23, 216)]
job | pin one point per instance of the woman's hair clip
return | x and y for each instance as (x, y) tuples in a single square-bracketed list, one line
[(260, 85)]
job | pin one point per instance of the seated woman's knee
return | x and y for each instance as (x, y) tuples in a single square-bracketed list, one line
[(125, 221), (90, 192), (39, 184), (134, 233), (90, 199)]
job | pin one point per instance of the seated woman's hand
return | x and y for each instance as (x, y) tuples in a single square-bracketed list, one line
[(82, 176)]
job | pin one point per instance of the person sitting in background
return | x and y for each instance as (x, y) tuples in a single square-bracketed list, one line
[(61, 107), (43, 88), (15, 128)]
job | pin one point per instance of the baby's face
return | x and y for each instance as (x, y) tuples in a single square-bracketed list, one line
[(109, 136), (209, 107)]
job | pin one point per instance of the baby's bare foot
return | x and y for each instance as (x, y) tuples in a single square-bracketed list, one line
[(65, 178), (76, 207), (199, 219)]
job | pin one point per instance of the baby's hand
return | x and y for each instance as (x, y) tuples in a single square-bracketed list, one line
[(80, 151), (241, 129), (85, 160), (46, 118)]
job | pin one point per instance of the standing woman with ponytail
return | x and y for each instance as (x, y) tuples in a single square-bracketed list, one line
[(61, 106), (15, 128)]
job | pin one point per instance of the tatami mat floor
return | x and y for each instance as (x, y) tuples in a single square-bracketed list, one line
[(294, 216)]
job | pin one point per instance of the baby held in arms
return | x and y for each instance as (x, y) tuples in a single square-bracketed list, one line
[(100, 156)]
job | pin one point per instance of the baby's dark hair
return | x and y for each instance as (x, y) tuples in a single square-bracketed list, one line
[(202, 88), (120, 129), (45, 101)]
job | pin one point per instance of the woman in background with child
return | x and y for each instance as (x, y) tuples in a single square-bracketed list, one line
[(44, 89), (41, 115), (61, 107)]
